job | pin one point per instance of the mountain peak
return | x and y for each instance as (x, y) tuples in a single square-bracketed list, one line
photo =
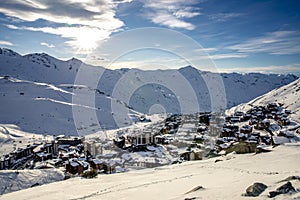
[(74, 60), (42, 58), (8, 52), (40, 55), (188, 67)]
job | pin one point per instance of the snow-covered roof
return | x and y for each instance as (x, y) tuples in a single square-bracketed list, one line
[(97, 161), (74, 164)]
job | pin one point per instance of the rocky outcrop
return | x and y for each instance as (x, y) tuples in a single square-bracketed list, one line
[(256, 189), (195, 189), (284, 189)]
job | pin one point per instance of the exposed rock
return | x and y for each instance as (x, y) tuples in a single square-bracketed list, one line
[(218, 160), (255, 190), (195, 189), (36, 184), (290, 178), (286, 188)]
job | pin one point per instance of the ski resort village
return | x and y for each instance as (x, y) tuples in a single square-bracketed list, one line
[(249, 149)]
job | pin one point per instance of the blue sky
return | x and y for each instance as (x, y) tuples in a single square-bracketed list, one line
[(238, 35)]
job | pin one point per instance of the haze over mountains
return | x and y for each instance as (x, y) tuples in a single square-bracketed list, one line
[(38, 92)]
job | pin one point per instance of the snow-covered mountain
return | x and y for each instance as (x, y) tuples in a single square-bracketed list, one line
[(45, 95)]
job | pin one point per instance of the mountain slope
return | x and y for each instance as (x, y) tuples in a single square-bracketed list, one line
[(42, 94)]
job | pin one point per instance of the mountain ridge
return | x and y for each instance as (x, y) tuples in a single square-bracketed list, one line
[(39, 91)]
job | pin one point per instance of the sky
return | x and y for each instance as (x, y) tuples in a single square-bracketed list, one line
[(235, 35)]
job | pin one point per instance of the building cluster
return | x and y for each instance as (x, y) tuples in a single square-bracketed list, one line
[(73, 153), (260, 126), (186, 136), (152, 135), (163, 133), (17, 157)]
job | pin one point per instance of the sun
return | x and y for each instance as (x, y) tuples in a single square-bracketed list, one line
[(87, 39)]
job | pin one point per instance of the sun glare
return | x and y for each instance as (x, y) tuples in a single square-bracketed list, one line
[(87, 39)]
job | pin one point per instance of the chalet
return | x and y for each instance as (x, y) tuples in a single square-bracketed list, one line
[(229, 130), (239, 113), (253, 121), (75, 166), (246, 129), (245, 117), (261, 125), (265, 139), (272, 107), (110, 168), (288, 112), (235, 119), (97, 164), (254, 137), (283, 121)]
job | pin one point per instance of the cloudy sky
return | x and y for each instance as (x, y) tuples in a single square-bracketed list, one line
[(238, 35)]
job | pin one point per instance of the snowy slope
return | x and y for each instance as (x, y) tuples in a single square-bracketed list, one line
[(288, 95), (42, 94), (11, 181), (226, 179), (47, 109)]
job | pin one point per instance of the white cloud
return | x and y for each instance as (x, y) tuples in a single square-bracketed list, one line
[(222, 17), (47, 45), (210, 49), (97, 13), (12, 26), (83, 38), (292, 68), (276, 43), (5, 43), (78, 20), (164, 18), (171, 13), (227, 55)]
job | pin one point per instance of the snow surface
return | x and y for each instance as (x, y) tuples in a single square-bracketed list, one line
[(12, 180), (11, 138), (226, 179)]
